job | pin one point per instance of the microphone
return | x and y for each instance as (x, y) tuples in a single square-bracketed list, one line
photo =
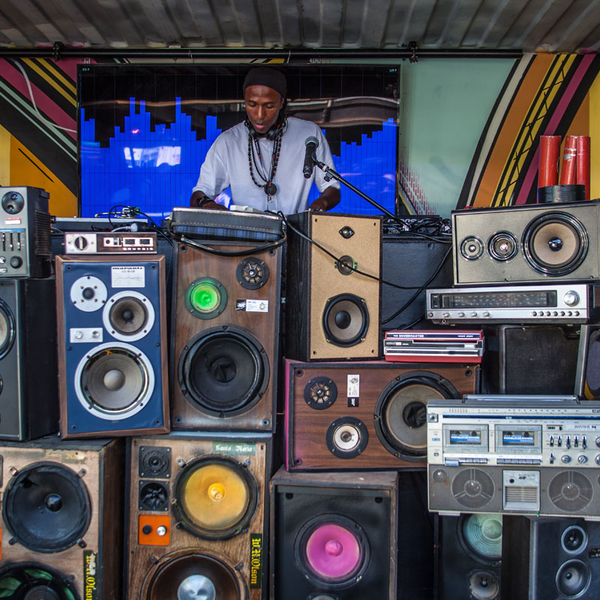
[(312, 143)]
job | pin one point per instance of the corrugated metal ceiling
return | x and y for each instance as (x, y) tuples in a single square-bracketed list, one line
[(551, 25)]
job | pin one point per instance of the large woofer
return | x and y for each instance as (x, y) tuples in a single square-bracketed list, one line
[(401, 412), (481, 537), (223, 370), (7, 329), (555, 244), (114, 381), (332, 551), (46, 507), (215, 497), (32, 581), (191, 576), (345, 320), (573, 579), (128, 316)]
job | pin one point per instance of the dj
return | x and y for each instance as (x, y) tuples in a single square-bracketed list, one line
[(262, 158)]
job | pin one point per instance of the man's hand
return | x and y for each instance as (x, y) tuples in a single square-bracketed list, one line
[(327, 200), (201, 200)]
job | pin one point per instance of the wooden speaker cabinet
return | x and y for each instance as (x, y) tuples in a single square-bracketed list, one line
[(197, 516), (333, 287), (225, 351), (62, 518), (365, 415)]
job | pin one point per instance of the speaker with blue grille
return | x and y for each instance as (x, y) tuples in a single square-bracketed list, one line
[(112, 345)]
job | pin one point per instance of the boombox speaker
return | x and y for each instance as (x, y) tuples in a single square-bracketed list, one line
[(225, 351), (545, 559), (333, 287), (530, 359), (334, 536), (61, 519), (197, 516), (527, 244), (112, 345), (28, 365), (469, 555), (587, 380), (365, 415)]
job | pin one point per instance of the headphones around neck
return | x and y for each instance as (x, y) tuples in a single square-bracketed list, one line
[(276, 130)]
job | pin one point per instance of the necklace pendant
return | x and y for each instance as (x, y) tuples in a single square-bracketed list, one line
[(270, 189)]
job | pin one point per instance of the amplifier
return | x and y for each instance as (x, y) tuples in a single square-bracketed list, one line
[(547, 303), (433, 346), (110, 242), (517, 454)]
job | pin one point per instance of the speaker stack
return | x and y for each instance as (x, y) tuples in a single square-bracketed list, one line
[(112, 345), (197, 516), (61, 519), (225, 350)]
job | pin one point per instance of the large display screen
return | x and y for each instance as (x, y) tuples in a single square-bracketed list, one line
[(144, 130)]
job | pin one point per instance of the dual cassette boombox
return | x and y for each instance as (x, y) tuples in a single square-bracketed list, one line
[(532, 455)]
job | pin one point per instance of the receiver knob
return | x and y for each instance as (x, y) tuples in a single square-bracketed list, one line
[(598, 441), (582, 458), (571, 298)]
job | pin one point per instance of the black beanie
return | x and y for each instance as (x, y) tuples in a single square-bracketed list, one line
[(269, 77)]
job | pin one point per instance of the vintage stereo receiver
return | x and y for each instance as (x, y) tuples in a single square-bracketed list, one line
[(110, 242), (446, 346), (517, 454), (546, 303)]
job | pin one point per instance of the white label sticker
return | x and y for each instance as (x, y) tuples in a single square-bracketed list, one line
[(353, 386), (128, 277), (261, 306)]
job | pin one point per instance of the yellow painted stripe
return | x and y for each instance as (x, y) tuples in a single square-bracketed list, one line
[(5, 139), (30, 63), (595, 138), (58, 74)]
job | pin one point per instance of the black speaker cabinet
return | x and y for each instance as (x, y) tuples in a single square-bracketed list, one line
[(530, 359), (365, 415), (225, 343), (28, 364), (25, 226), (550, 559), (531, 243), (333, 287), (334, 536), (112, 345), (61, 519), (587, 380), (197, 516), (468, 557), (410, 261)]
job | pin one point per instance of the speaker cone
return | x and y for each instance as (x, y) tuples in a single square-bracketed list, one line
[(503, 246), (591, 388), (573, 579), (473, 488), (155, 461), (481, 535), (88, 293), (555, 244), (332, 551), (224, 371), (128, 316), (574, 540), (32, 581), (401, 412), (215, 497), (484, 586), (153, 496), (7, 329), (252, 273), (320, 392), (193, 576), (471, 248), (206, 298), (570, 491), (114, 381), (46, 507), (347, 437), (345, 320)]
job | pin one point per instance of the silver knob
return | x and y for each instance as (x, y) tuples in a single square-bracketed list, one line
[(571, 298)]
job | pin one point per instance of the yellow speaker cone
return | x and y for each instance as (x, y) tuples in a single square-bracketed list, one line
[(215, 497)]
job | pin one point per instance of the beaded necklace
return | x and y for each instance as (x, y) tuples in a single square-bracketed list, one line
[(268, 186)]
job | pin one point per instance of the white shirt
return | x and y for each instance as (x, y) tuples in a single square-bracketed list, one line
[(226, 164)]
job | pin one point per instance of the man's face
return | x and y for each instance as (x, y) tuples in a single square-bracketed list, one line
[(262, 106)]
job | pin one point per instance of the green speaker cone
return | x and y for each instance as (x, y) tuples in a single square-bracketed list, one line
[(206, 298)]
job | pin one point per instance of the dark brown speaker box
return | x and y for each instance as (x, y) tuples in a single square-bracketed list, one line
[(28, 363), (468, 557), (332, 311), (365, 415), (197, 516), (62, 518), (550, 558), (334, 535), (225, 358), (530, 359)]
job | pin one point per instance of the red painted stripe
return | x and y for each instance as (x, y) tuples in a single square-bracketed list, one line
[(69, 66), (553, 124), (45, 104)]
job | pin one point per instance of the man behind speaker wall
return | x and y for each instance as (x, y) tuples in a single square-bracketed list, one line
[(262, 158)]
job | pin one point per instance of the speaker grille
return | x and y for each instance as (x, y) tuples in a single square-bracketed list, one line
[(7, 329), (473, 488), (32, 581), (570, 491), (252, 273), (224, 371), (345, 320), (47, 507), (482, 535)]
